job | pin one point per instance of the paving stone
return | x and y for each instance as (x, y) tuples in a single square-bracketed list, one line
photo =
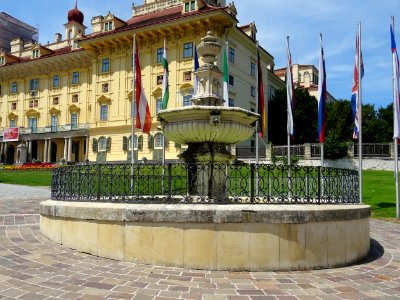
[(33, 267)]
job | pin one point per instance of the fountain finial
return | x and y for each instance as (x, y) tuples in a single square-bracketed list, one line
[(209, 48)]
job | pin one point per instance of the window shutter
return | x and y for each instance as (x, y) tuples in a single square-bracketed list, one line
[(124, 143), (108, 144), (95, 145), (140, 142), (151, 142)]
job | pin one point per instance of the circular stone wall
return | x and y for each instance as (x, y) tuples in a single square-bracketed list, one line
[(214, 237)]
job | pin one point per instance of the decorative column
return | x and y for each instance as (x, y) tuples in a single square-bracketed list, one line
[(65, 149), (1, 152), (49, 151), (45, 150), (29, 142), (69, 148), (87, 148)]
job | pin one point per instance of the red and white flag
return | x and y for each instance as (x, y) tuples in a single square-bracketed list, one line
[(143, 119)]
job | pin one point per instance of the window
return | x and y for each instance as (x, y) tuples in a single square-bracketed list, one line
[(231, 80), (271, 92), (104, 112), (252, 69), (187, 100), (34, 84), (108, 26), (160, 53), (75, 77), (56, 81), (135, 144), (231, 55), (188, 50), (35, 53), (104, 87), (55, 100), (14, 87), (75, 98), (54, 123), (32, 124), (231, 102), (2, 60), (102, 144), (160, 79), (33, 103), (187, 76), (190, 6), (14, 106), (252, 91), (74, 120), (158, 105), (13, 123), (105, 65), (158, 140)]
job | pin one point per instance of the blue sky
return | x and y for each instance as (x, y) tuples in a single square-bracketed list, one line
[(301, 20)]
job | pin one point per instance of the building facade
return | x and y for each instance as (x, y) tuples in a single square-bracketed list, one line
[(304, 77), (71, 99)]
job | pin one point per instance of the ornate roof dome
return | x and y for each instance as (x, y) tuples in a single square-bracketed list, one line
[(75, 15)]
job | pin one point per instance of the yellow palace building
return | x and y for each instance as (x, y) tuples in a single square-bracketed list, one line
[(71, 99)]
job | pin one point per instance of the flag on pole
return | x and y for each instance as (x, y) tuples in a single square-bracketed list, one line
[(196, 66), (226, 76), (262, 130), (165, 88), (355, 97), (143, 120), (321, 96), (289, 92), (396, 83)]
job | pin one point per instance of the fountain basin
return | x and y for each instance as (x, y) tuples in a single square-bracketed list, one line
[(215, 237), (199, 124)]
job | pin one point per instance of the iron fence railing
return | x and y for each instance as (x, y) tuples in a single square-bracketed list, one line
[(204, 183), (373, 150), (297, 150), (250, 152)]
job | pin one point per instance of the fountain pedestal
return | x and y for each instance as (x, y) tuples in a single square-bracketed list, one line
[(206, 174)]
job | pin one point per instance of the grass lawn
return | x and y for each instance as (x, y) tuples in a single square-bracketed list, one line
[(378, 187), (26, 177), (379, 192)]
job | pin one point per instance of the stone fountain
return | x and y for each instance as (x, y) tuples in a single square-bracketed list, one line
[(208, 126), (206, 235)]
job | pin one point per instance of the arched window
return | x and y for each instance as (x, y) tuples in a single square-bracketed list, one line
[(102, 144), (186, 92)]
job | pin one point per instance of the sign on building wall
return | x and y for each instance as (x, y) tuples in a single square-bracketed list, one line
[(11, 134)]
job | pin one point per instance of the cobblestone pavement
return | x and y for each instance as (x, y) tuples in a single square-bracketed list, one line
[(33, 267)]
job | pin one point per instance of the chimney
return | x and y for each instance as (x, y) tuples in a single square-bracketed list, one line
[(58, 37)]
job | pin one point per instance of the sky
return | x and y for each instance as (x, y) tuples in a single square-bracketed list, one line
[(302, 21)]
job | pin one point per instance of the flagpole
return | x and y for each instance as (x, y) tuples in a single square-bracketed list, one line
[(287, 102), (396, 142), (133, 109), (359, 114), (257, 123)]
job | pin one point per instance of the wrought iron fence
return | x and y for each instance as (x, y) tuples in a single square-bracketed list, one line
[(204, 183)]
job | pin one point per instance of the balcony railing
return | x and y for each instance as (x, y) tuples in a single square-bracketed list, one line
[(52, 129)]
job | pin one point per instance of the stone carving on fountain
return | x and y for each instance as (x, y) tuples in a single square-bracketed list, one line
[(207, 126)]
